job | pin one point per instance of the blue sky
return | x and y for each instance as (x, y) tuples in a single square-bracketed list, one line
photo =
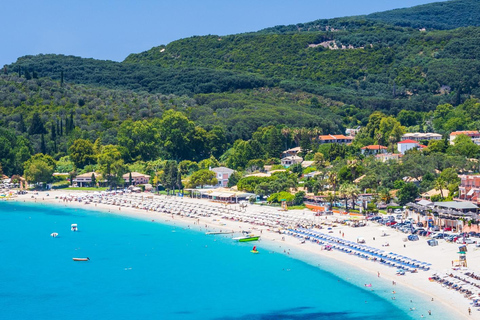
[(112, 29)]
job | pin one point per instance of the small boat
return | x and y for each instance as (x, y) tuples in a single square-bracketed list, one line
[(220, 232), (254, 250), (54, 234), (74, 227), (81, 259), (247, 238)]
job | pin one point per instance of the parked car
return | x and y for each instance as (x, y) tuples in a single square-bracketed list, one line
[(412, 237), (440, 235), (398, 211), (419, 224), (447, 229), (466, 241), (391, 223)]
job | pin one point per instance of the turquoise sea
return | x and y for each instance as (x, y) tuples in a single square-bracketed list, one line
[(145, 270)]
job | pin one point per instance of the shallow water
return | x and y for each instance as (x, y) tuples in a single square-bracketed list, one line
[(139, 269)]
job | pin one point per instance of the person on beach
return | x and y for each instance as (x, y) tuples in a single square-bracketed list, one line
[(378, 274), (469, 311)]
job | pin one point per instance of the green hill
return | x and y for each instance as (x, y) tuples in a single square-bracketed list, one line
[(376, 62), (440, 15)]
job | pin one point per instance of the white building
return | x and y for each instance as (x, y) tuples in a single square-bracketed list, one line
[(419, 136), (406, 145), (288, 161), (222, 175)]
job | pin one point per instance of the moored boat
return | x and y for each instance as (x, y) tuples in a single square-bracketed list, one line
[(74, 227), (54, 234), (81, 259), (247, 238)]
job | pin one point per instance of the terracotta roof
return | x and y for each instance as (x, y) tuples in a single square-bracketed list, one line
[(456, 133), (408, 141), (335, 137), (88, 175), (374, 147), (135, 174)]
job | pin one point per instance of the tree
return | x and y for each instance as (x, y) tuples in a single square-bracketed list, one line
[(319, 160), (298, 199), (234, 178), (203, 177), (111, 165), (39, 168), (176, 133), (94, 180), (464, 146), (408, 193), (440, 184), (36, 127), (81, 153), (170, 175), (140, 138), (64, 164)]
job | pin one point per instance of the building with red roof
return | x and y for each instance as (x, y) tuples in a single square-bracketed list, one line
[(474, 135), (406, 145), (374, 149), (339, 138)]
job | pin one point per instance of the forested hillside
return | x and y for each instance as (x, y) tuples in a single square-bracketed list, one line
[(114, 75), (242, 99), (50, 115)]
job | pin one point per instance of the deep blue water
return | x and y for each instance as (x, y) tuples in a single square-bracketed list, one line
[(145, 270)]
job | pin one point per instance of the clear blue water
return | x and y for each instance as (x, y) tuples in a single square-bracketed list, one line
[(145, 270)]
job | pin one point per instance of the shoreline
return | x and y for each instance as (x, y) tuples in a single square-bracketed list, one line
[(307, 252)]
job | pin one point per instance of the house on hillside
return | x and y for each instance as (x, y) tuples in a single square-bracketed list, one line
[(474, 135), (384, 157), (339, 139), (137, 178), (419, 136), (85, 180), (291, 152), (352, 131), (222, 174), (373, 149), (288, 161), (469, 188), (405, 145)]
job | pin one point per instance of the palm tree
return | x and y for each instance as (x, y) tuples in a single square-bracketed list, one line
[(333, 181), (331, 199), (385, 196), (439, 185), (353, 193), (344, 194), (353, 166)]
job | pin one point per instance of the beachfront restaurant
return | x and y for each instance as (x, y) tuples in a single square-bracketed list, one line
[(448, 214), (223, 195)]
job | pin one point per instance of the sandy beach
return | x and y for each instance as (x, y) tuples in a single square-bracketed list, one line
[(210, 216)]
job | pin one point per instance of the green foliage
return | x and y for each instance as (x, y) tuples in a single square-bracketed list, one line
[(408, 193), (81, 153), (248, 184), (281, 196), (111, 165), (203, 177), (39, 168)]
